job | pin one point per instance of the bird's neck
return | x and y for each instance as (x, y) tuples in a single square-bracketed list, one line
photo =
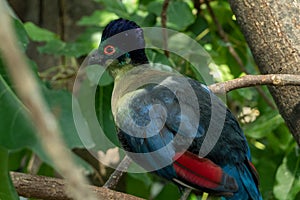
[(119, 71), (122, 66)]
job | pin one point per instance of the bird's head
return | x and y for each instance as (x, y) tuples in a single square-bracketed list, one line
[(122, 44)]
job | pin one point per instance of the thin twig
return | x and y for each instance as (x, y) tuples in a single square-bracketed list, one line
[(30, 94), (254, 80), (233, 53), (115, 177), (186, 194), (48, 188), (164, 26)]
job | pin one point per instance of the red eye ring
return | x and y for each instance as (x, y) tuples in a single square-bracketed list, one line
[(109, 50)]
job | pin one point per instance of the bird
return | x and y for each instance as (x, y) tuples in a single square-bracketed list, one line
[(163, 120)]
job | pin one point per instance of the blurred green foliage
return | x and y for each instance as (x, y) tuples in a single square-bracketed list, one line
[(274, 151)]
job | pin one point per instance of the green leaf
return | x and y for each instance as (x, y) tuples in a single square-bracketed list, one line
[(46, 170), (58, 47), (60, 103), (98, 18), (179, 14), (16, 130), (22, 36), (199, 27), (264, 125), (149, 20), (155, 7), (288, 177), (247, 93), (77, 49), (179, 21), (141, 181), (116, 7), (266, 162), (16, 158), (38, 34), (281, 138), (169, 191), (7, 190)]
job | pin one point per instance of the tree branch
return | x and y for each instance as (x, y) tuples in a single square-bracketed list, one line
[(44, 121), (115, 177), (254, 80), (41, 187)]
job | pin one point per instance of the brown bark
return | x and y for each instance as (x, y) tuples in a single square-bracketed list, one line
[(58, 16), (272, 31), (32, 186)]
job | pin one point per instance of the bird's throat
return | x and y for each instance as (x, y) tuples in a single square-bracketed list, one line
[(120, 70)]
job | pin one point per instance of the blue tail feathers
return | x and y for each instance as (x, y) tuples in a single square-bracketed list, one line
[(246, 180)]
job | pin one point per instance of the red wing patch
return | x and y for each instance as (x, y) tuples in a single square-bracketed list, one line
[(203, 173)]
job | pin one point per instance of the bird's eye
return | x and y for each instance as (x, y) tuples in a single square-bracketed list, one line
[(109, 50)]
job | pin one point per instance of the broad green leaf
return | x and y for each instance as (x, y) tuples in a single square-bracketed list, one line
[(60, 103), (46, 170), (281, 138), (149, 20), (141, 181), (247, 93), (264, 125), (3, 73), (58, 47), (182, 21), (39, 34), (174, 20), (170, 191), (21, 34), (288, 177), (98, 18), (16, 158), (16, 130), (266, 167), (200, 28), (55, 47), (7, 190), (155, 7), (116, 7), (77, 49)]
